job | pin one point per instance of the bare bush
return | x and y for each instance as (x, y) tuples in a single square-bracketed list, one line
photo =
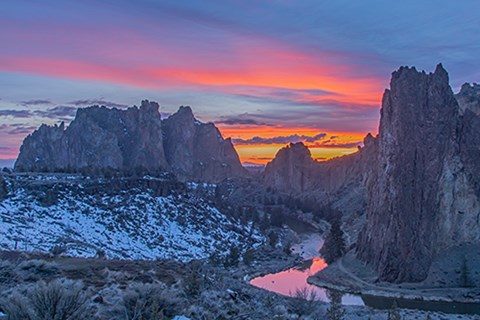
[(304, 301), (149, 302), (193, 281), (35, 270), (58, 250), (57, 300), (7, 272)]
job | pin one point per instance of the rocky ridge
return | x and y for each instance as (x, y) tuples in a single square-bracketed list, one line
[(195, 149), (423, 195), (100, 138)]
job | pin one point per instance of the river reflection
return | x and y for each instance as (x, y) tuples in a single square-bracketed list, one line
[(289, 281)]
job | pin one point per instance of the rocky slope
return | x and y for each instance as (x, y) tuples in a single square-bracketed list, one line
[(100, 138), (127, 218), (423, 194)]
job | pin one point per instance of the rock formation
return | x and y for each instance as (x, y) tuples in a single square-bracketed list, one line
[(419, 178), (423, 194), (292, 170), (100, 137), (197, 150), (469, 98)]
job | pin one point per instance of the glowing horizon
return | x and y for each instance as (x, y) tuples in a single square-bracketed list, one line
[(266, 70)]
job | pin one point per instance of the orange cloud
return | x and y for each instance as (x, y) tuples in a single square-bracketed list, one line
[(335, 144)]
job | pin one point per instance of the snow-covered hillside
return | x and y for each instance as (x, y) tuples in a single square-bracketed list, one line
[(86, 215)]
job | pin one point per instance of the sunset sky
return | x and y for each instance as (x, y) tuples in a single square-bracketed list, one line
[(266, 72)]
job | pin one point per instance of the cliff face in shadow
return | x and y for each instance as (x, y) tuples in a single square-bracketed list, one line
[(294, 171), (423, 195), (419, 179), (100, 138), (198, 150)]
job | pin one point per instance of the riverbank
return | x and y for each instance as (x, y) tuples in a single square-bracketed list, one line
[(307, 248), (350, 275)]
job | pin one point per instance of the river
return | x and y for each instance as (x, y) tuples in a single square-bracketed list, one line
[(289, 281)]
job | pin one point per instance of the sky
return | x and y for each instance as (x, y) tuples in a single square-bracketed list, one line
[(265, 72)]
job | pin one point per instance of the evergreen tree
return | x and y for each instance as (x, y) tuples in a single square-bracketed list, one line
[(248, 257), (334, 246), (335, 311), (272, 238), (232, 258), (394, 312), (193, 281), (3, 188), (464, 274)]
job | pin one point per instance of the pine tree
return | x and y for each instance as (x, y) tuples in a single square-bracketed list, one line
[(464, 274), (334, 246), (272, 238), (394, 312), (248, 257), (231, 260), (335, 311), (3, 188)]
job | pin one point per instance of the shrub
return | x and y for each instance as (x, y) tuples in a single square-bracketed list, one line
[(233, 257), (57, 300), (193, 282), (335, 311), (58, 250), (34, 270), (149, 302), (304, 301), (7, 272)]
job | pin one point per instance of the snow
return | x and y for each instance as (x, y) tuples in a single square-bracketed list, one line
[(128, 224)]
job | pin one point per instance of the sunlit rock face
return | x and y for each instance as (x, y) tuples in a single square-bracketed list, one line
[(197, 151), (99, 137), (423, 188)]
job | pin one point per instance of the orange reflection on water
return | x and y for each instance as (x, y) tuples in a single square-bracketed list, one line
[(289, 281)]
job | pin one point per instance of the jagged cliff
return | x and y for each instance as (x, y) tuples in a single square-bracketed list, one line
[(423, 190), (100, 137), (338, 184), (196, 149), (292, 170), (418, 180)]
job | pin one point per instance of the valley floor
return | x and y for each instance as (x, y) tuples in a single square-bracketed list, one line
[(197, 290)]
